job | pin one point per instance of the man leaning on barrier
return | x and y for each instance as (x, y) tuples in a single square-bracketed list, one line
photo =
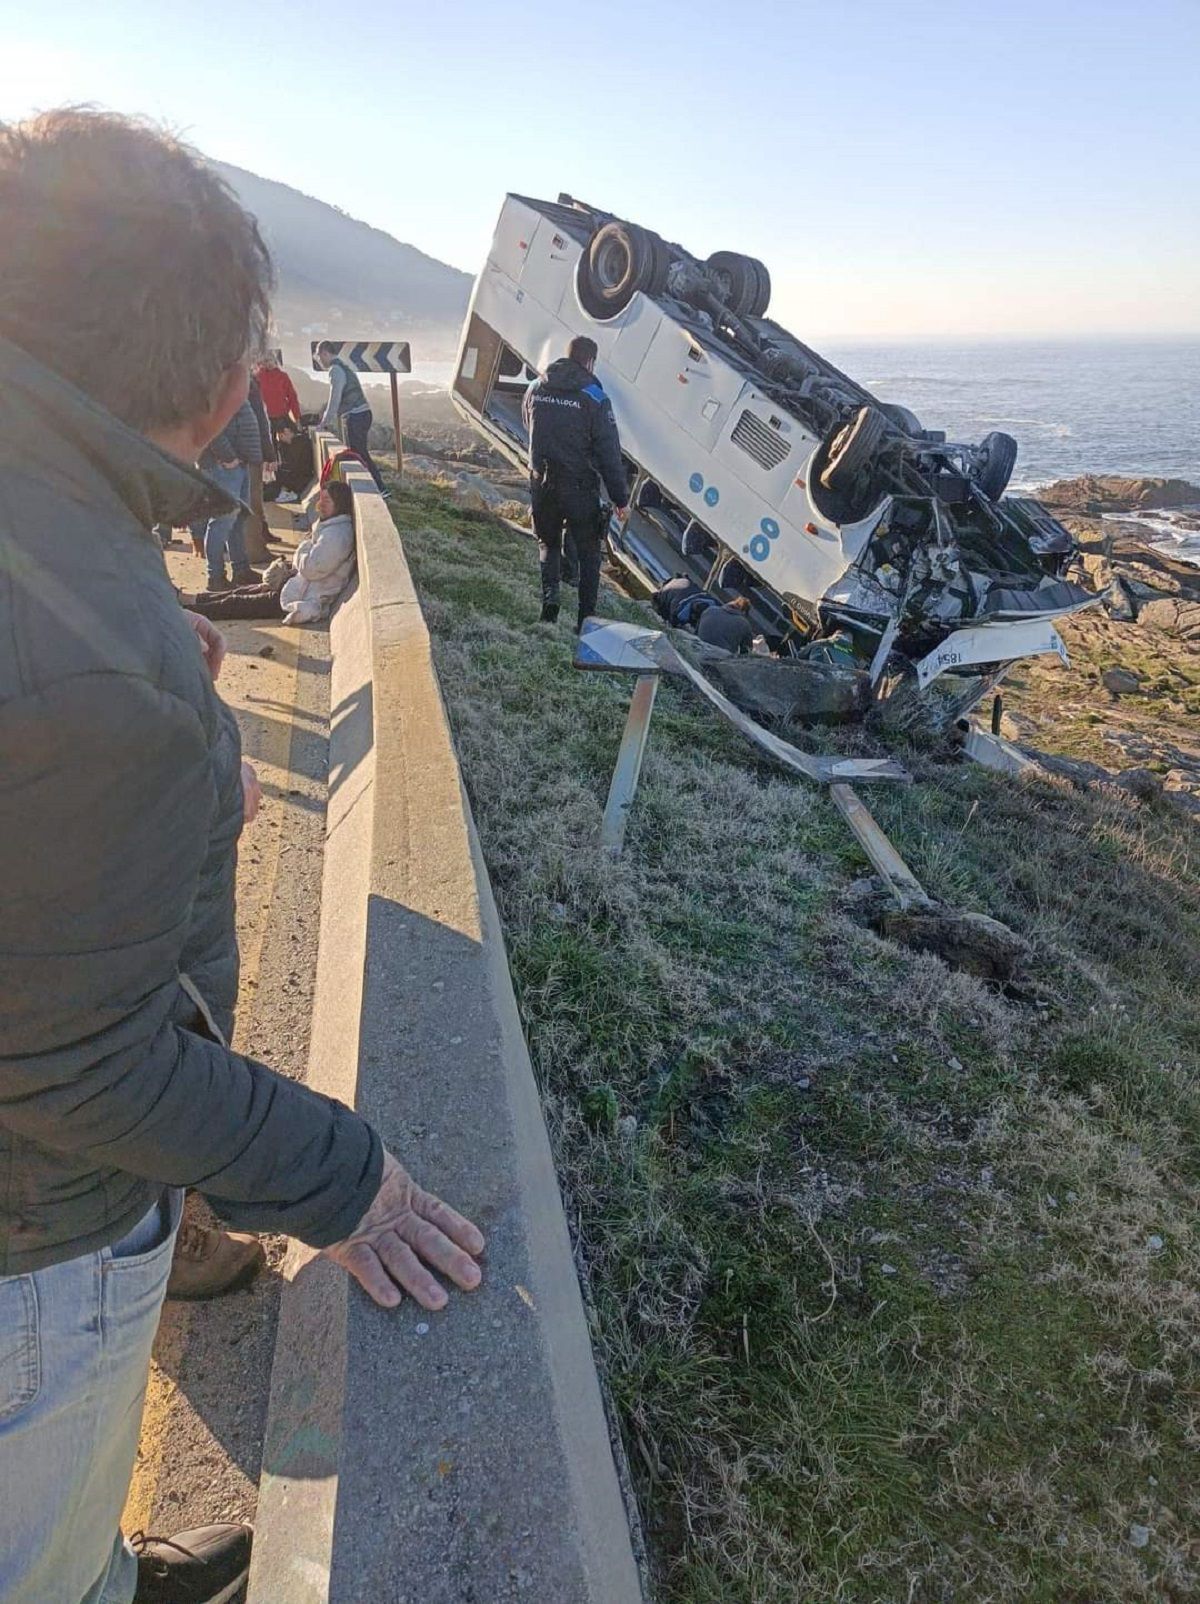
[(132, 286)]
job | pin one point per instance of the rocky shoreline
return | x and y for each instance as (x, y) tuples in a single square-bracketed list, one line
[(1125, 713), (1161, 590)]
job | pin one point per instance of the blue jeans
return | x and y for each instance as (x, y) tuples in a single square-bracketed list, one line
[(358, 426), (75, 1345), (226, 531)]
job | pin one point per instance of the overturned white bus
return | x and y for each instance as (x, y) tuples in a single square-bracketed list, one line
[(758, 468)]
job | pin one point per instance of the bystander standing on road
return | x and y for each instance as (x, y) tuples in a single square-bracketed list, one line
[(278, 392), (226, 462), (263, 457), (347, 407), (121, 800)]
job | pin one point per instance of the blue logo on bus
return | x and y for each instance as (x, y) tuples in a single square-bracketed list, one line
[(712, 495), (696, 483), (760, 545)]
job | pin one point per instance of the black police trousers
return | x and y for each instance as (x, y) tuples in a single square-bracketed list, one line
[(566, 509)]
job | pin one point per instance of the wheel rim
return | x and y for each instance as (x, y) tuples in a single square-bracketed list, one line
[(610, 265)]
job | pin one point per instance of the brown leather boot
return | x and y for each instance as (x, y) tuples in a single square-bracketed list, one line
[(209, 1262)]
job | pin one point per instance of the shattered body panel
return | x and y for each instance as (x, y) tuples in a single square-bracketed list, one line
[(758, 468)]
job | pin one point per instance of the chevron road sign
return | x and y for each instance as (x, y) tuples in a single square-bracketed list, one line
[(369, 356)]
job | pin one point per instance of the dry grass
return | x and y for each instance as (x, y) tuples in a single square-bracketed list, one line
[(895, 1276)]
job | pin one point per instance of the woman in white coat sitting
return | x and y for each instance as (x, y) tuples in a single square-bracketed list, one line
[(313, 579)]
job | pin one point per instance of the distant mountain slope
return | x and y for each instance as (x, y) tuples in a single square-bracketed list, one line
[(340, 277)]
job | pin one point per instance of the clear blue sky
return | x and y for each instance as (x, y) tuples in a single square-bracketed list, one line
[(934, 168)]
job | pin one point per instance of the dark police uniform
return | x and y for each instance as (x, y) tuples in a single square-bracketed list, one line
[(573, 445)]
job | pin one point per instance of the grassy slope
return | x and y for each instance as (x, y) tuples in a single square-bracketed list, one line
[(874, 1250)]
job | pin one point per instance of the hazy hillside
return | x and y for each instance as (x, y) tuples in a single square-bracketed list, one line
[(341, 277)]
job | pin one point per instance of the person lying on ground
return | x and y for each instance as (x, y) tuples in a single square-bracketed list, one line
[(727, 626), (304, 591), (121, 803), (680, 602)]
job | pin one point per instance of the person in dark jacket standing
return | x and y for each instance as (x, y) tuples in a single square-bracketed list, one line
[(254, 522), (574, 447), (120, 807), (226, 461), (347, 409)]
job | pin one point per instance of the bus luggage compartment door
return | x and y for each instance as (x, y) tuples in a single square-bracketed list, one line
[(478, 363)]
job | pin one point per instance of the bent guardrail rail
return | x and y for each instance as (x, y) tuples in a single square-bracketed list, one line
[(411, 1456)]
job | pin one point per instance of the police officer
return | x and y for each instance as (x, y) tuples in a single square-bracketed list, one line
[(573, 447)]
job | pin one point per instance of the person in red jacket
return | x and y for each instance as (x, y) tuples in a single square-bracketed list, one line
[(278, 391)]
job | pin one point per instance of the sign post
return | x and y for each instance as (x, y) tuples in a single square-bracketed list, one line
[(375, 356), (396, 425)]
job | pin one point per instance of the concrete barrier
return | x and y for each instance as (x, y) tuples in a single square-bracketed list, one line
[(414, 1457)]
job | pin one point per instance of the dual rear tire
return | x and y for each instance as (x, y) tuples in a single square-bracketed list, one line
[(623, 258), (742, 281)]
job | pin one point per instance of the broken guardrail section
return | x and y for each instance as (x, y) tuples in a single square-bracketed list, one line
[(610, 647)]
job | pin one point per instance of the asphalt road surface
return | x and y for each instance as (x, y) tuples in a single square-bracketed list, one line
[(201, 1442)]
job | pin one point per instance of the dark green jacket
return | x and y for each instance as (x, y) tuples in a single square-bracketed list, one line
[(120, 808)]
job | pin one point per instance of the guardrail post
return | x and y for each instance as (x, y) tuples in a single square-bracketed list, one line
[(629, 764)]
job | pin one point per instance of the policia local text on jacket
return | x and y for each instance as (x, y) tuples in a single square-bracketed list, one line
[(573, 444), (120, 808)]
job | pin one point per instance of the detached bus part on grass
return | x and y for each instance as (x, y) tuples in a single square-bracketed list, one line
[(759, 469)]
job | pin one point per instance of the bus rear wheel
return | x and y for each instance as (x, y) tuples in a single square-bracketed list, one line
[(743, 281), (620, 260)]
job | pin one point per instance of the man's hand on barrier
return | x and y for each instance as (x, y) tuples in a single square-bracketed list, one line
[(403, 1227), (212, 642)]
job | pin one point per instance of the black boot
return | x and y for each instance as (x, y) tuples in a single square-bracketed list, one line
[(549, 613), (204, 1566)]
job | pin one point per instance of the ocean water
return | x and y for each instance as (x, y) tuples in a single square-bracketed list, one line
[(1119, 406)]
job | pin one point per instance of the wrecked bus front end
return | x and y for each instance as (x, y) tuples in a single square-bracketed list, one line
[(759, 469)]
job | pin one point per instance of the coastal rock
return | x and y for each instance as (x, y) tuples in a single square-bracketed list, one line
[(1174, 615), (1142, 783), (1099, 493), (972, 942), (1181, 787), (792, 692), (474, 491), (1120, 681), (1097, 565)]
